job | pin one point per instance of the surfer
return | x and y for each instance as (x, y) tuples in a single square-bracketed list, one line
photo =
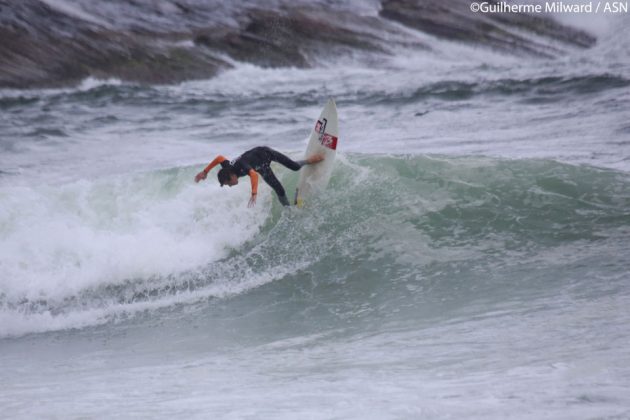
[(253, 162)]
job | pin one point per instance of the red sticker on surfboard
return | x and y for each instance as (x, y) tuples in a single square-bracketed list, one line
[(329, 141)]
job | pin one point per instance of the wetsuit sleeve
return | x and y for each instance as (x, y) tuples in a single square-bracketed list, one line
[(253, 176), (217, 160)]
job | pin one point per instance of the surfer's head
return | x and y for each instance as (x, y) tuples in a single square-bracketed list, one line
[(227, 177)]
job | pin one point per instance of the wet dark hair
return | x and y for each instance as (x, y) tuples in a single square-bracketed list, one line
[(224, 175)]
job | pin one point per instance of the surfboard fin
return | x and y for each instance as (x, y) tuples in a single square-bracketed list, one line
[(298, 200)]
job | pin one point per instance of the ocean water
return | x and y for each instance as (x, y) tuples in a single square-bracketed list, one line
[(469, 258)]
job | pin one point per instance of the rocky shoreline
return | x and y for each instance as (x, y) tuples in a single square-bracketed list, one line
[(52, 44)]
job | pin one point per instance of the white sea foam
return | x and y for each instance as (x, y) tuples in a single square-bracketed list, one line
[(60, 240)]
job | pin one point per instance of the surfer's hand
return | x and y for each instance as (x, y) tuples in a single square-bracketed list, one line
[(201, 175), (252, 201)]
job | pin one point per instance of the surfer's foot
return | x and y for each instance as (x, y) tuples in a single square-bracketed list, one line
[(315, 159)]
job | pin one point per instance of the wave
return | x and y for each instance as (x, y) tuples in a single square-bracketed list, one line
[(547, 89), (528, 90), (403, 230)]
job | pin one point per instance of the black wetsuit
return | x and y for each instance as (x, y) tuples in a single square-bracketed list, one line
[(259, 159)]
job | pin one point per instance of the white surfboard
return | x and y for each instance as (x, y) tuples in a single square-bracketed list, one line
[(324, 139)]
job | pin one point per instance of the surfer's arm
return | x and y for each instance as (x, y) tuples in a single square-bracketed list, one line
[(217, 160), (253, 177), (203, 174)]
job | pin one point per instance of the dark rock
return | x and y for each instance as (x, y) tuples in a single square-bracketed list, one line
[(152, 42), (548, 28), (453, 20), (44, 47), (292, 38)]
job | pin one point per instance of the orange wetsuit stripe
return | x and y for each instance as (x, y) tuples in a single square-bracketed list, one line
[(253, 176), (217, 160)]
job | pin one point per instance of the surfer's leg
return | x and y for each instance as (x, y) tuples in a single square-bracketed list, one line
[(273, 182), (286, 161)]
